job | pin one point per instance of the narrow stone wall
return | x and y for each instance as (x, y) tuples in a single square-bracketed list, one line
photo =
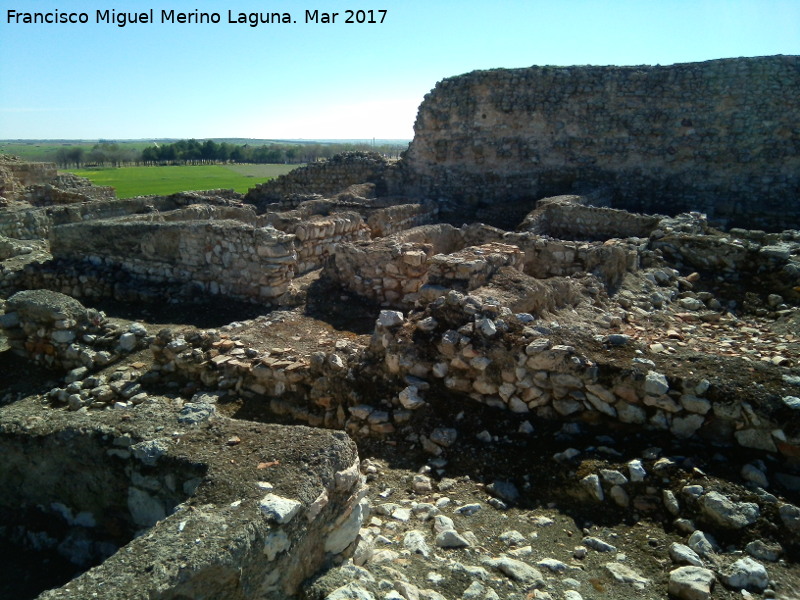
[(400, 217), (718, 137), (326, 178), (194, 521), (219, 258), (27, 173)]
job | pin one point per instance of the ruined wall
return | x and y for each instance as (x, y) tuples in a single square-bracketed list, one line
[(718, 137), (561, 218), (400, 217), (66, 188), (35, 223), (57, 331), (484, 351), (16, 173), (328, 177), (316, 236), (220, 257), (394, 270)]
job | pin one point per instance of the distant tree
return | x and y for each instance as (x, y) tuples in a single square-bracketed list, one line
[(75, 156)]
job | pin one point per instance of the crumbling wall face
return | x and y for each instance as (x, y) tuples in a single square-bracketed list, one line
[(66, 188), (57, 331), (30, 173), (327, 178), (472, 267), (385, 272), (718, 137), (24, 224), (219, 258), (317, 237), (310, 389), (476, 349), (772, 260), (546, 257), (430, 259), (35, 223)]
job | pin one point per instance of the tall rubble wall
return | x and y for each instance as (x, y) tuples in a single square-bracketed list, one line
[(718, 137)]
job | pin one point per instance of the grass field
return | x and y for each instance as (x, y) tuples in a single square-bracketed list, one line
[(45, 150), (141, 181)]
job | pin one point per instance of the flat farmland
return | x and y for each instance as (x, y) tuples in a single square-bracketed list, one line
[(142, 181)]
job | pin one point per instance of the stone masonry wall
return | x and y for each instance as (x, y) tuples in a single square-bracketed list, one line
[(220, 258), (328, 177), (57, 331), (564, 219), (718, 137), (483, 351), (393, 270), (316, 236), (27, 173), (35, 223)]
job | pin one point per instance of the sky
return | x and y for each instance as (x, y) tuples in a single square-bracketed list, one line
[(331, 80)]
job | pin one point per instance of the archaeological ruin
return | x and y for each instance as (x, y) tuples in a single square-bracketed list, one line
[(552, 352)]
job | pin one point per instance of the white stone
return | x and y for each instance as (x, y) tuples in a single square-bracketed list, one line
[(728, 514), (683, 555), (127, 342), (279, 509), (390, 318), (450, 538), (517, 571), (410, 399), (591, 483), (745, 574), (625, 574), (636, 470), (691, 583), (656, 384)]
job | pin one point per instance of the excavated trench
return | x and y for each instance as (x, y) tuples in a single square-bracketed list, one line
[(73, 496)]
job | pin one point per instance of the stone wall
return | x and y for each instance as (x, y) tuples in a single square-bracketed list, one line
[(400, 217), (316, 235), (771, 261), (16, 174), (473, 348), (57, 331), (326, 178), (718, 137), (224, 257), (393, 270), (27, 223), (563, 217), (150, 492)]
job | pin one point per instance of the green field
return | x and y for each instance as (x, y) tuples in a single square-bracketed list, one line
[(142, 181)]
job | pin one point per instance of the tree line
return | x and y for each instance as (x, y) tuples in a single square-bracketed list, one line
[(195, 152)]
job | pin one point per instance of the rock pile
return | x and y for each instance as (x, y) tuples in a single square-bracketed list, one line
[(57, 331)]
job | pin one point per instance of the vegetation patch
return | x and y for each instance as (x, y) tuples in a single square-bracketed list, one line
[(141, 181)]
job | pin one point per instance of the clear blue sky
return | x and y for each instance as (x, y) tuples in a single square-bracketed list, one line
[(354, 81)]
